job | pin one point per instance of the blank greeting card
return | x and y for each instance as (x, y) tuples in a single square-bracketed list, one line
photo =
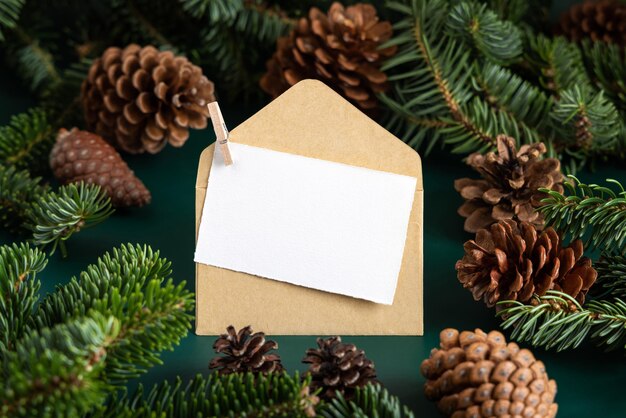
[(309, 222)]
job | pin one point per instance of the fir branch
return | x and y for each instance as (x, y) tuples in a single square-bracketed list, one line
[(592, 212), (611, 282), (17, 191), (54, 371), (369, 401), (56, 216), (34, 62), (241, 395), (482, 29), (9, 14), (217, 10), (589, 123), (607, 65), (558, 321), (430, 81), (19, 265), (27, 140), (558, 62), (509, 93), (132, 283)]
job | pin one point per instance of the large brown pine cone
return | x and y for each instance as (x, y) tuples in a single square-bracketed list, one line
[(475, 374), (244, 351), (510, 185), (513, 261), (341, 48), (140, 99), (82, 156), (338, 367), (598, 20)]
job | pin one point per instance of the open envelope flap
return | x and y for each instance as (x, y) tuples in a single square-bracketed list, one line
[(312, 120)]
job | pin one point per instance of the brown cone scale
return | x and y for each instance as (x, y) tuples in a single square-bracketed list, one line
[(245, 351), (478, 374), (335, 366), (514, 261), (598, 20), (340, 48), (509, 188), (141, 99), (83, 156)]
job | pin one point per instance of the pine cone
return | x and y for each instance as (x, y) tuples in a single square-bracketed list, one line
[(512, 261), (245, 352), (82, 156), (140, 98), (338, 367), (475, 374), (340, 48), (603, 20), (510, 185)]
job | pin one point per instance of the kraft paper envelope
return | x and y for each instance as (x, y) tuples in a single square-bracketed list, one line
[(313, 121)]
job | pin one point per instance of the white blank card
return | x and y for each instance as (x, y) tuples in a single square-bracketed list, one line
[(308, 222)]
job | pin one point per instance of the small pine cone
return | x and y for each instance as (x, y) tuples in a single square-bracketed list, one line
[(245, 352), (475, 374), (510, 185), (338, 367), (513, 261), (340, 48), (139, 99), (598, 20), (82, 156)]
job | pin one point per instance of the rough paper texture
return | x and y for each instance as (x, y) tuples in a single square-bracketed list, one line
[(313, 223), (312, 120)]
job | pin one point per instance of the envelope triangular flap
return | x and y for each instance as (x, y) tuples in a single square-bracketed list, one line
[(310, 119)]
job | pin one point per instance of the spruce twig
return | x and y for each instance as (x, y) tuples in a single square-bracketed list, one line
[(27, 140), (55, 371), (19, 287), (56, 216), (557, 320), (592, 212), (133, 284)]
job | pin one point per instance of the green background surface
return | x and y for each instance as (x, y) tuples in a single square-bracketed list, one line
[(590, 382)]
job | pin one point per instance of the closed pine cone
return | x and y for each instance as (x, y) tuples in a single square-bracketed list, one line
[(340, 48), (510, 185), (603, 20), (140, 99), (245, 351), (513, 261), (82, 156), (475, 374), (338, 367)]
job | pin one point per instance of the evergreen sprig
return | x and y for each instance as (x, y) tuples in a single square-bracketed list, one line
[(133, 284), (558, 321), (27, 140), (240, 395), (482, 29), (454, 80), (9, 14), (607, 66), (17, 192), (54, 372), (248, 395), (593, 212), (369, 401), (19, 287), (611, 282), (56, 216)]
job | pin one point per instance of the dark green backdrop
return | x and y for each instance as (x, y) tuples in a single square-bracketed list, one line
[(590, 382)]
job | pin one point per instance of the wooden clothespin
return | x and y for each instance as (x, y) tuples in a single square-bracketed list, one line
[(221, 132)]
